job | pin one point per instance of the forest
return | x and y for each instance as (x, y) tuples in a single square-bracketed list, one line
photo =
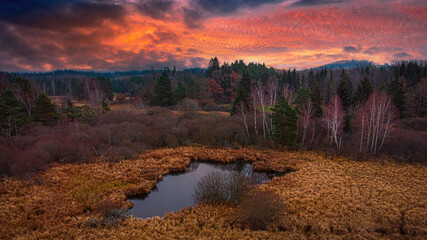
[(381, 109)]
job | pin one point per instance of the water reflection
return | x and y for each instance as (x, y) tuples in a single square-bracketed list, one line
[(175, 191)]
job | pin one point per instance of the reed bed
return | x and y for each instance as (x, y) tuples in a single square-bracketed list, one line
[(324, 198)]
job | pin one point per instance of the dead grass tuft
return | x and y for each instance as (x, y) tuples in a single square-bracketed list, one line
[(325, 199)]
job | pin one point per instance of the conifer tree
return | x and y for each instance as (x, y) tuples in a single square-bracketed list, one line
[(243, 92), (284, 127), (105, 106), (345, 91), (363, 92), (303, 94), (330, 90), (193, 90), (180, 92), (45, 111), (106, 87), (162, 91), (213, 66), (12, 114), (397, 90), (317, 99)]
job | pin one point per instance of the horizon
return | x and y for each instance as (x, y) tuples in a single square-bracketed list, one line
[(122, 35), (185, 68)]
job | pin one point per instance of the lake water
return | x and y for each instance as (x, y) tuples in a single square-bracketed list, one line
[(175, 191)]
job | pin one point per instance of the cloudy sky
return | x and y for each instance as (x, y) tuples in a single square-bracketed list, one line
[(43, 35)]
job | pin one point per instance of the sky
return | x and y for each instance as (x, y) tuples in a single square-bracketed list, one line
[(116, 35)]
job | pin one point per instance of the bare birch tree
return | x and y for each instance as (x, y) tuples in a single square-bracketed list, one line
[(241, 109), (305, 121), (376, 121), (333, 120), (261, 96), (289, 94), (253, 97)]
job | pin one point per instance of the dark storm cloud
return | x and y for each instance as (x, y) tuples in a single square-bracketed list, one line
[(59, 15), (376, 50), (193, 18), (229, 6), (371, 50), (303, 3), (402, 55), (351, 49), (157, 9)]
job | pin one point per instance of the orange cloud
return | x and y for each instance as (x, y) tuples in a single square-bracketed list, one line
[(279, 34)]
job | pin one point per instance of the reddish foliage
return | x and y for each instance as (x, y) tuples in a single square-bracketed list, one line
[(120, 98), (215, 89)]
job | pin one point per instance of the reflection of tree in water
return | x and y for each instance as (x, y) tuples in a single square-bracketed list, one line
[(193, 167), (246, 169)]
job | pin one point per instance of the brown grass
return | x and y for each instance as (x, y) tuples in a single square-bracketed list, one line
[(325, 199)]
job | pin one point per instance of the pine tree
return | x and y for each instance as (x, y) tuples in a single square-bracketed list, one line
[(193, 90), (317, 99), (180, 92), (284, 119), (363, 92), (105, 106), (396, 89), (162, 91), (311, 79), (106, 87), (243, 92), (45, 111), (330, 90), (345, 91), (302, 96), (12, 114), (213, 66)]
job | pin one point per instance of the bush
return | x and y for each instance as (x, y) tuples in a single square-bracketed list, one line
[(407, 146), (261, 208), (221, 187), (111, 211), (189, 107), (416, 124)]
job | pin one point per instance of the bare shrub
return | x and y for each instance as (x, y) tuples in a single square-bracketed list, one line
[(111, 211), (407, 146), (261, 208), (189, 107), (221, 187)]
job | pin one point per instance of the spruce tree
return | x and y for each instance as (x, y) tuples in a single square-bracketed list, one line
[(106, 87), (105, 106), (363, 92), (345, 91), (12, 113), (243, 92), (317, 99), (302, 96), (180, 92), (162, 91), (284, 119), (396, 89), (193, 90), (45, 111), (330, 90), (213, 66)]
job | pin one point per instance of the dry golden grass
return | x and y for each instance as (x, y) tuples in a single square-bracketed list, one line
[(325, 199)]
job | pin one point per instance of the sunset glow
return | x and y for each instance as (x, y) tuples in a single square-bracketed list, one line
[(126, 35)]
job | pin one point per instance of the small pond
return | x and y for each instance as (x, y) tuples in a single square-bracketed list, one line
[(175, 191)]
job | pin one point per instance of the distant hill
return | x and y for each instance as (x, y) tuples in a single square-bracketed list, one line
[(346, 64)]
